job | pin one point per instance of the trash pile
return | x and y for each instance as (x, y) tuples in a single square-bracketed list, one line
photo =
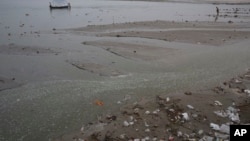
[(201, 116)]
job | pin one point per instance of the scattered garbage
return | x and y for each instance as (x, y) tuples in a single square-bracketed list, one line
[(125, 123), (179, 134), (200, 132), (217, 103), (111, 117), (221, 113), (126, 98), (231, 113), (224, 128), (176, 120), (221, 136), (167, 99), (207, 138), (185, 116), (82, 129), (247, 91), (147, 112), (171, 138), (122, 136), (156, 111), (146, 124), (190, 107), (238, 81), (215, 126), (98, 102), (147, 130)]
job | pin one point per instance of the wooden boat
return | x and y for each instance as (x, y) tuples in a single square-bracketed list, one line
[(59, 4)]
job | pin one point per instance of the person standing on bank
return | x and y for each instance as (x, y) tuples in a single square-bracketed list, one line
[(217, 10), (217, 14)]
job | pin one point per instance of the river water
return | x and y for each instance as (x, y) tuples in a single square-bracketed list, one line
[(56, 98)]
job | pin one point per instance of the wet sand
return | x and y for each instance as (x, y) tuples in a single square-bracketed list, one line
[(185, 115), (199, 33), (8, 83)]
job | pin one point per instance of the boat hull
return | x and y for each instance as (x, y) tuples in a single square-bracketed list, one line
[(60, 6)]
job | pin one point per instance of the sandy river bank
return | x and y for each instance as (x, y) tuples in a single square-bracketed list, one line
[(56, 79), (184, 114)]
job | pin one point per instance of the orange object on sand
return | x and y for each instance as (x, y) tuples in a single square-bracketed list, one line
[(98, 102)]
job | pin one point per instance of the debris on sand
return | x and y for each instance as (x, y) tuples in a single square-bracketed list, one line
[(217, 103), (172, 118), (98, 102)]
